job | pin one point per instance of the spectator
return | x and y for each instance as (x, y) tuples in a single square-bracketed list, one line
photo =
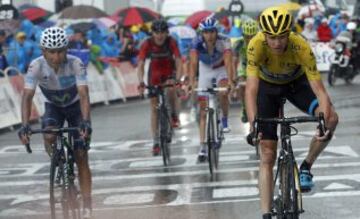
[(20, 51), (128, 51), (309, 33), (3, 61), (78, 47), (324, 32)]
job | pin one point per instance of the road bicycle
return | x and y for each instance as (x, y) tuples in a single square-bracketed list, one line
[(63, 188), (287, 204), (165, 129), (214, 129)]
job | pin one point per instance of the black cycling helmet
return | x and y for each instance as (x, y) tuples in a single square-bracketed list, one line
[(159, 26)]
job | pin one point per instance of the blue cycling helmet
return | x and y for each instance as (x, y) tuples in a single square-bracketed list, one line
[(209, 23)]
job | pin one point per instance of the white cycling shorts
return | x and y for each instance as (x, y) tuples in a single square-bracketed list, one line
[(206, 76)]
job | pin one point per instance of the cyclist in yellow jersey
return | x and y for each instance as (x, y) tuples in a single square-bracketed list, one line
[(281, 64)]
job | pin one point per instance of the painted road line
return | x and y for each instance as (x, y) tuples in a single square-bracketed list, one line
[(144, 193), (153, 164), (183, 161), (204, 171)]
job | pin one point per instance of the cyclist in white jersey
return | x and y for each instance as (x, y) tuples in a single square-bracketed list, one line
[(211, 53), (62, 79)]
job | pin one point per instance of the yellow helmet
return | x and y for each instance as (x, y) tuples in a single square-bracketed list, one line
[(275, 21), (250, 27)]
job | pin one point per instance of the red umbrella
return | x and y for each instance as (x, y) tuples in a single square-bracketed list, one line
[(197, 17), (34, 14), (135, 15)]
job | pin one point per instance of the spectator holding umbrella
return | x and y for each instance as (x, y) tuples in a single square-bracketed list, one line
[(19, 52), (324, 32), (78, 47)]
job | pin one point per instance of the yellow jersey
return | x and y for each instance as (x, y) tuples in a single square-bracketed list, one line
[(298, 59)]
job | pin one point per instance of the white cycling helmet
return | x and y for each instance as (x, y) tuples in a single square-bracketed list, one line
[(54, 38), (351, 26)]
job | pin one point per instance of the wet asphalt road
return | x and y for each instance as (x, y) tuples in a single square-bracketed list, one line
[(129, 183)]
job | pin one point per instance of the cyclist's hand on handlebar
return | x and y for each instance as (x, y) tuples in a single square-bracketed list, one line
[(24, 134), (251, 138), (326, 136), (141, 88), (85, 129)]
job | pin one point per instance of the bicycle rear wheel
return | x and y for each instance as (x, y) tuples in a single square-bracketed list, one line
[(164, 135)]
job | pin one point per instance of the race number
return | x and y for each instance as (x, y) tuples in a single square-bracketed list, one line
[(8, 12)]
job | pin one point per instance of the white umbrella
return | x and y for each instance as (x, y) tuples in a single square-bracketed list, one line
[(183, 32)]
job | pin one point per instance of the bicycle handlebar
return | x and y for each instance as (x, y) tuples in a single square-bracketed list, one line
[(291, 120), (211, 90), (57, 131)]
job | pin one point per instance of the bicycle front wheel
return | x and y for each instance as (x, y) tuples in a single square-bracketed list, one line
[(57, 186), (164, 128), (212, 151), (289, 193)]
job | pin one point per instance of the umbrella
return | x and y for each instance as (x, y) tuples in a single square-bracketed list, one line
[(194, 19), (104, 22), (82, 26), (183, 32), (81, 12), (35, 14), (135, 15)]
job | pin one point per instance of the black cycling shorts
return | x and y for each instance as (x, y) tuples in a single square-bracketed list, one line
[(55, 116), (298, 92)]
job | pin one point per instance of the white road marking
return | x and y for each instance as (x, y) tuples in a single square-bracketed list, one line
[(338, 186), (127, 199), (235, 192)]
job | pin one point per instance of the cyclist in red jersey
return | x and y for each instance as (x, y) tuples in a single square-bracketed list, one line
[(165, 67)]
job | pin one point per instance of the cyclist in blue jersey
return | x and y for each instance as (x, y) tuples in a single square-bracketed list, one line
[(211, 54), (62, 79)]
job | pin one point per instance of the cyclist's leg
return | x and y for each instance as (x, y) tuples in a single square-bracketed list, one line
[(202, 127), (302, 96), (174, 104), (154, 125), (154, 79), (52, 118), (269, 97), (73, 117), (206, 76), (222, 81)]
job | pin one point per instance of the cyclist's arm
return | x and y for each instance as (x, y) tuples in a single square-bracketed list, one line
[(83, 92), (324, 100), (26, 104), (253, 54), (251, 91), (228, 60), (194, 59), (314, 78), (30, 83), (140, 70), (141, 60), (177, 56)]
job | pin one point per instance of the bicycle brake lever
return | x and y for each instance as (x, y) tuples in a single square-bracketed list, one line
[(321, 127)]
